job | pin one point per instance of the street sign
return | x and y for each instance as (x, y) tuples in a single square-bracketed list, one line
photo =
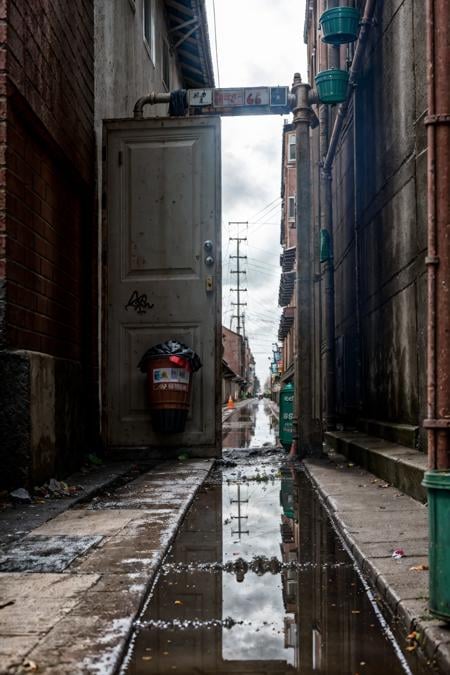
[(240, 100)]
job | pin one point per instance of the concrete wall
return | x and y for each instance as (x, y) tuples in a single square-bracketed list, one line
[(125, 69), (379, 222)]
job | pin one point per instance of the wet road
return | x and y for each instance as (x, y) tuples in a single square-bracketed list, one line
[(257, 580)]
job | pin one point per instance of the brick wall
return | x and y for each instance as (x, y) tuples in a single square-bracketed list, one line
[(48, 238), (232, 349), (49, 175), (2, 165)]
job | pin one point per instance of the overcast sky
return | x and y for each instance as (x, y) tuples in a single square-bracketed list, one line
[(260, 42)]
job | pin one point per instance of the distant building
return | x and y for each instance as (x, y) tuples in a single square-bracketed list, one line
[(288, 240), (238, 374)]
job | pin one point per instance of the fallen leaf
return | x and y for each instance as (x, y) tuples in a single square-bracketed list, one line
[(411, 636), (178, 602), (411, 648), (418, 568), (146, 658)]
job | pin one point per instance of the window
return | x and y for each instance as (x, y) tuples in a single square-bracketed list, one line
[(148, 15), (165, 60), (292, 148), (291, 208)]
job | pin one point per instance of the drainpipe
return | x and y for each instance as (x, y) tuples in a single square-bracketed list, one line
[(366, 23), (303, 436), (150, 99), (326, 226), (437, 478)]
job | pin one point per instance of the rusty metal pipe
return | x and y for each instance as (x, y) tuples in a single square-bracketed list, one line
[(438, 219), (366, 23), (151, 99)]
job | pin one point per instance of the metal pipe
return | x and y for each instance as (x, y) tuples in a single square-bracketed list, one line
[(438, 219), (327, 277), (151, 99), (366, 23), (326, 224)]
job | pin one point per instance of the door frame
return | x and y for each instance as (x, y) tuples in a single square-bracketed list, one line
[(109, 126)]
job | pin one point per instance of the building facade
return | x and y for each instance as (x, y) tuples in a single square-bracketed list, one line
[(288, 240), (238, 366), (66, 67), (376, 246)]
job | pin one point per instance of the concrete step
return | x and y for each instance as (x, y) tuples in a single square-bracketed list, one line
[(396, 464)]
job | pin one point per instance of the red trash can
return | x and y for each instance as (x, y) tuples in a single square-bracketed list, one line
[(169, 381)]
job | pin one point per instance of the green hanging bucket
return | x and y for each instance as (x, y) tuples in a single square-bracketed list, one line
[(340, 25), (332, 85)]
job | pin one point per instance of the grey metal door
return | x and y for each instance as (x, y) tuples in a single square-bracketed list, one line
[(162, 205)]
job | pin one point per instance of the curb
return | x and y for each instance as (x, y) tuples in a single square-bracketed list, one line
[(433, 637)]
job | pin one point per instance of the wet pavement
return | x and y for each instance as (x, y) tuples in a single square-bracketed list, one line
[(257, 580)]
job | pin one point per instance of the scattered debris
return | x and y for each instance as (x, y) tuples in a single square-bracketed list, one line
[(20, 496), (419, 568), (398, 553)]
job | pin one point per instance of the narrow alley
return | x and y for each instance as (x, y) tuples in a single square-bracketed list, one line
[(257, 580), (224, 337)]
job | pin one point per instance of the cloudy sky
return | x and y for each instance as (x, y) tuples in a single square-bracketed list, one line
[(259, 42)]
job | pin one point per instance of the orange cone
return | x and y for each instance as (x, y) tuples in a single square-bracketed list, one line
[(230, 404)]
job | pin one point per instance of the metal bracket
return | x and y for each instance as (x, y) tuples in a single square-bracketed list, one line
[(432, 260), (437, 119), (185, 37), (443, 423)]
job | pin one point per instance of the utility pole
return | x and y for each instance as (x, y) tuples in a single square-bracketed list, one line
[(238, 290), (238, 271), (239, 516)]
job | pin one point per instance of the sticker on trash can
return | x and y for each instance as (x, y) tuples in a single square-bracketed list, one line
[(166, 375)]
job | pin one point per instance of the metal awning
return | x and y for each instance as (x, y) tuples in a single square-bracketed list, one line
[(188, 34), (286, 291), (287, 259), (286, 322), (287, 280)]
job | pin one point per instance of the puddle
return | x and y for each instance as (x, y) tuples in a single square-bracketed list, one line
[(257, 581)]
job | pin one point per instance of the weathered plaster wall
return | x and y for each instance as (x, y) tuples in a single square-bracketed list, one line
[(380, 225)]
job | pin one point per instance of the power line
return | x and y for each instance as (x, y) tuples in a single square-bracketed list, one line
[(215, 42)]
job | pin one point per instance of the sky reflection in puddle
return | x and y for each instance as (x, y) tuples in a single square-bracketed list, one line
[(239, 613)]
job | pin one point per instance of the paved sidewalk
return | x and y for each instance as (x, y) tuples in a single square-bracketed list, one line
[(71, 588), (375, 519)]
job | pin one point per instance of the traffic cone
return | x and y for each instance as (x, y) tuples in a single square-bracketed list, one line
[(230, 404)]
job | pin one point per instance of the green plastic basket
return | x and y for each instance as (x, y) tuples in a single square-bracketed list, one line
[(332, 85), (340, 25)]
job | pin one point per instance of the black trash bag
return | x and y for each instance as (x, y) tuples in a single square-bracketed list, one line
[(178, 104), (170, 348)]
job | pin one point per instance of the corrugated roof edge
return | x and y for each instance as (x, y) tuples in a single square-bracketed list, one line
[(209, 68)]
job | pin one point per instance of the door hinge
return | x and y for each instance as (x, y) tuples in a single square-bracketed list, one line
[(120, 157)]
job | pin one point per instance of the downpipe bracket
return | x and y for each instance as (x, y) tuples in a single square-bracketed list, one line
[(443, 423)]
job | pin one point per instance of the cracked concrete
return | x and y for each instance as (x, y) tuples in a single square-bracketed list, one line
[(79, 620)]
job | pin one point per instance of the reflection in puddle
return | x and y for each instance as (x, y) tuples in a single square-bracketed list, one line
[(257, 582), (251, 426)]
